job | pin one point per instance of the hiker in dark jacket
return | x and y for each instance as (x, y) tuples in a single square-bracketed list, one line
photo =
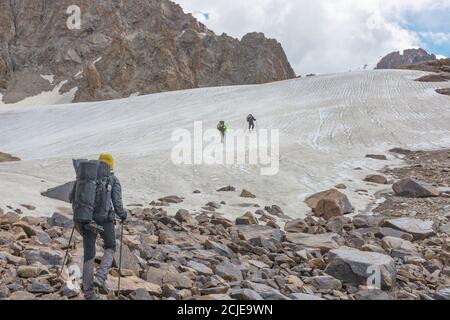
[(251, 122), (98, 279), (222, 127)]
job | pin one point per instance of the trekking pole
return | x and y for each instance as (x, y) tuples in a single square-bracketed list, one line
[(120, 259), (67, 252)]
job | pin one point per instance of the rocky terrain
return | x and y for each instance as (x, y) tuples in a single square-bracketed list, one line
[(410, 56), (440, 69), (124, 48), (262, 255), (6, 157)]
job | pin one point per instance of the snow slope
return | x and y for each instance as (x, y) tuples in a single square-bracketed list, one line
[(327, 125)]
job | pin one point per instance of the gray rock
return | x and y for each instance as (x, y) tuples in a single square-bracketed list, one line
[(229, 271), (372, 294), (45, 256), (141, 294), (304, 297), (4, 292), (399, 248), (353, 266), (326, 283), (414, 189), (443, 294), (267, 292), (445, 228), (245, 294), (60, 220), (69, 292), (38, 287), (420, 229), (22, 295), (200, 268), (325, 242), (220, 249), (376, 178), (297, 225)]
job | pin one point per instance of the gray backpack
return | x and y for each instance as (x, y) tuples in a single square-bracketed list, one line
[(91, 195)]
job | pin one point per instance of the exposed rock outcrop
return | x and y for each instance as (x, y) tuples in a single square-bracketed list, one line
[(124, 48), (410, 56)]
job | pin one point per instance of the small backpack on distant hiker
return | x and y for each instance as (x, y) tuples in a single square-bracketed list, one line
[(91, 196)]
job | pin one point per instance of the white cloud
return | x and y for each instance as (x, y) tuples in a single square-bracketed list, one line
[(438, 38), (320, 36)]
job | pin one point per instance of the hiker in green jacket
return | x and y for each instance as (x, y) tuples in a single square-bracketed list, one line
[(222, 127)]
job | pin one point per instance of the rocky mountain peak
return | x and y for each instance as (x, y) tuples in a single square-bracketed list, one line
[(123, 48), (409, 56)]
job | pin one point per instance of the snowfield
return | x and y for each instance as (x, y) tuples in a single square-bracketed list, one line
[(327, 125)]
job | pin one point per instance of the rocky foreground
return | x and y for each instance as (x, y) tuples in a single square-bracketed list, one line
[(330, 254)]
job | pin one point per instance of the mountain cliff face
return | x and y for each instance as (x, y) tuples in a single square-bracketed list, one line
[(124, 47), (410, 56)]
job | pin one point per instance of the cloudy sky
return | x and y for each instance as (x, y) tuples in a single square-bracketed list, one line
[(325, 36)]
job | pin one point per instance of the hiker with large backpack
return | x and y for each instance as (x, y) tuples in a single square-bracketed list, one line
[(96, 198), (222, 127), (251, 122)]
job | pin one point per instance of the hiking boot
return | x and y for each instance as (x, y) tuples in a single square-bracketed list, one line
[(100, 284), (95, 228)]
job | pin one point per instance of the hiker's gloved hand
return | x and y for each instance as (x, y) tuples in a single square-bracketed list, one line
[(123, 217)]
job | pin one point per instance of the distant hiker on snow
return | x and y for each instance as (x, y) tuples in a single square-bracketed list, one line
[(222, 127), (97, 195), (251, 122)]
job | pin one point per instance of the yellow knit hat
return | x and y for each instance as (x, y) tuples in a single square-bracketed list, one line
[(108, 159)]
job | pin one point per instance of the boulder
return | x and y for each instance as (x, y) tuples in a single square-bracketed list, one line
[(60, 220), (4, 292), (245, 295), (200, 268), (170, 276), (444, 229), (325, 242), (372, 294), (29, 230), (220, 249), (227, 189), (9, 218), (171, 199), (141, 295), (376, 178), (184, 216), (39, 287), (131, 284), (32, 271), (267, 292), (304, 297), (354, 266), (443, 294), (247, 219), (297, 225), (420, 229), (326, 283), (45, 256), (229, 271), (376, 156), (398, 247), (247, 233), (247, 194), (329, 203), (22, 295), (414, 189), (129, 260)]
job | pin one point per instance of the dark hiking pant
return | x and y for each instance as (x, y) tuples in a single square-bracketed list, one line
[(89, 240), (251, 125)]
